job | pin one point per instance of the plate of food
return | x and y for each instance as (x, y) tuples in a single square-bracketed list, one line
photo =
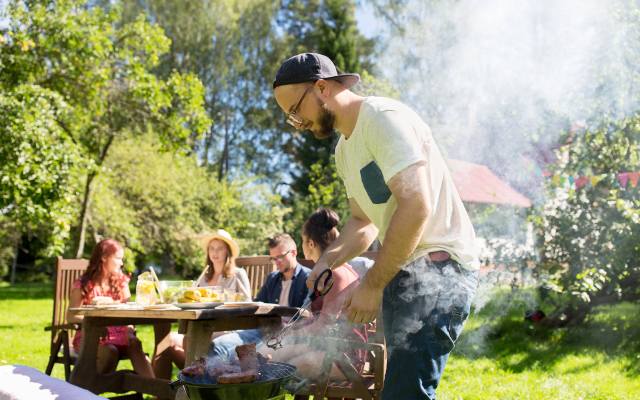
[(160, 306), (198, 305), (240, 304), (193, 299)]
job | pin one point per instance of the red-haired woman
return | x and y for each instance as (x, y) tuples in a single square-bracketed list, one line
[(104, 277)]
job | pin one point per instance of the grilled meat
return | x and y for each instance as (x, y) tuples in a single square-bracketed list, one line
[(239, 377), (247, 356), (197, 368)]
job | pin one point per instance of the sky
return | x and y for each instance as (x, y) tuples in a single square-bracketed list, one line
[(368, 23), (3, 21)]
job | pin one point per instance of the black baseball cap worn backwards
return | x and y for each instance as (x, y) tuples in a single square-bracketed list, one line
[(309, 67)]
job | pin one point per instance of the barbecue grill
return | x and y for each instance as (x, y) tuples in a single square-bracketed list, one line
[(270, 384)]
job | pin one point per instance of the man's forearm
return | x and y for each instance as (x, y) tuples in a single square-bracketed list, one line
[(356, 237), (401, 239)]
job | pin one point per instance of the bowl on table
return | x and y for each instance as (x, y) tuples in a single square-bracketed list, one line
[(170, 291)]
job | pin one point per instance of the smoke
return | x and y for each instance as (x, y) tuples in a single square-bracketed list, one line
[(500, 80)]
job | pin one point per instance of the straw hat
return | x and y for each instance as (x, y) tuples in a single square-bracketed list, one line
[(223, 235)]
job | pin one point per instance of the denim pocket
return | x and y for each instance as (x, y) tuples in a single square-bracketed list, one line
[(457, 318), (373, 182)]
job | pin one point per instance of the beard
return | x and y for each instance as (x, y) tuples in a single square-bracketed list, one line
[(326, 121)]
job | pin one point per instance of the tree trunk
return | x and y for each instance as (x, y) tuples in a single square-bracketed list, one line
[(87, 197), (208, 141), (14, 264), (224, 160), (83, 215)]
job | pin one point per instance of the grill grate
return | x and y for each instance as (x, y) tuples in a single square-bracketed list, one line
[(275, 370)]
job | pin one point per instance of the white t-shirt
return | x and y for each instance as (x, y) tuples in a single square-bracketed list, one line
[(389, 137), (284, 294), (361, 265)]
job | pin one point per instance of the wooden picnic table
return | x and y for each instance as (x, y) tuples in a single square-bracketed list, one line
[(197, 324)]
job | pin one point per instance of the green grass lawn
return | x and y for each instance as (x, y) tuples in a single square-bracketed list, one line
[(498, 357)]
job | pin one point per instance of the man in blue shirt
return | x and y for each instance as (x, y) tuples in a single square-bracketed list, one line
[(286, 287)]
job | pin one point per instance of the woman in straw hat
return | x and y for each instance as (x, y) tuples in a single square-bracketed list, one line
[(221, 269)]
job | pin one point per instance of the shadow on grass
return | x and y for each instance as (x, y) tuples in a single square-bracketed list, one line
[(26, 291), (499, 332)]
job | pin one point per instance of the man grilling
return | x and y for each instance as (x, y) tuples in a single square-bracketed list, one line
[(400, 190)]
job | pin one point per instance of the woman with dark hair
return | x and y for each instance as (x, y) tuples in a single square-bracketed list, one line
[(318, 232), (104, 278)]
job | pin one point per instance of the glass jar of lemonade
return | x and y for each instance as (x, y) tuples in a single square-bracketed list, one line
[(146, 293)]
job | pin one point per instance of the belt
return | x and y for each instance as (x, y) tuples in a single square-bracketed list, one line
[(439, 256)]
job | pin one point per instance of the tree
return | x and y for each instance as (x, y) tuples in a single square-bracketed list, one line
[(589, 229), (36, 168), (103, 71), (327, 27), (233, 47), (158, 203), (237, 65)]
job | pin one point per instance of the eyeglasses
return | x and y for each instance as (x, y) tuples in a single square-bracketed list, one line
[(293, 119), (280, 257)]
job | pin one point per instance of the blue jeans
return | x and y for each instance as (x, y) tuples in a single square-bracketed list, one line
[(224, 346), (424, 309)]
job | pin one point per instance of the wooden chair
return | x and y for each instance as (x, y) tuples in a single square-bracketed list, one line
[(364, 384), (258, 268), (67, 271)]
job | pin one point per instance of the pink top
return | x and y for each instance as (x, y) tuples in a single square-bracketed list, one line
[(345, 280), (116, 335)]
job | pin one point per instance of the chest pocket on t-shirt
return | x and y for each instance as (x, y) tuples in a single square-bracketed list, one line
[(373, 182)]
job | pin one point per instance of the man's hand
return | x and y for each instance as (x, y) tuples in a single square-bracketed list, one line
[(363, 304)]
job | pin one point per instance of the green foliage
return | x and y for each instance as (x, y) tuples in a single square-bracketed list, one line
[(370, 85), (82, 79), (327, 27), (325, 190), (236, 65), (157, 203), (38, 160), (74, 81), (331, 30), (590, 237)]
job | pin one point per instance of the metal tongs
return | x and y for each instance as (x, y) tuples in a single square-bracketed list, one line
[(276, 341)]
